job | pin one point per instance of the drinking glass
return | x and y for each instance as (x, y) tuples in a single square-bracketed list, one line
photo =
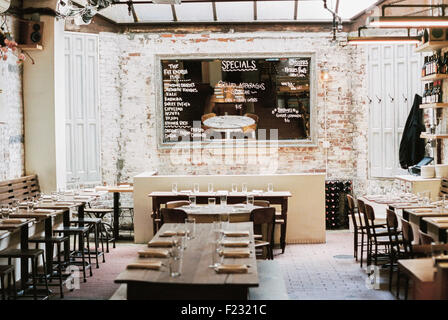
[(174, 188), (190, 224), (181, 237), (5, 211), (223, 200), (244, 187), (192, 200), (234, 187), (30, 204), (211, 201), (250, 200), (196, 188), (270, 187), (225, 220), (175, 263), (210, 187), (441, 203), (54, 196), (216, 254), (15, 206)]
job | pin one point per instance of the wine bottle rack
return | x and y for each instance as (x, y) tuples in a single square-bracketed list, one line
[(336, 209)]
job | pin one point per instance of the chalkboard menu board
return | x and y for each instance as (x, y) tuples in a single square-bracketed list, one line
[(237, 97)]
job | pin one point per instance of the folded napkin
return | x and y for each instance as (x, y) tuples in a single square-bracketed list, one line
[(124, 186), (230, 244), (441, 220), (149, 265), (185, 191), (257, 191), (154, 253), (43, 210), (82, 197), (47, 200), (46, 197), (236, 234), (13, 221), (168, 233), (423, 210), (235, 253), (160, 243), (232, 268)]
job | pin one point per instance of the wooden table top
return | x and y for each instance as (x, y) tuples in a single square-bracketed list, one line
[(11, 226), (218, 193), (36, 214), (410, 206), (420, 269), (196, 261), (115, 188), (59, 205), (439, 222), (218, 209)]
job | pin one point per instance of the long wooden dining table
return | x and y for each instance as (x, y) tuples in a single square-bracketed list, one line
[(197, 280), (160, 198)]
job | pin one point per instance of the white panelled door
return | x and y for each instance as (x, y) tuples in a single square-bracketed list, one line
[(394, 79), (82, 123)]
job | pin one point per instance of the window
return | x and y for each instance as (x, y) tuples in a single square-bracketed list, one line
[(82, 125), (393, 80)]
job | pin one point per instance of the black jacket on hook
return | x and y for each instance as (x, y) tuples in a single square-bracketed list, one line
[(412, 147)]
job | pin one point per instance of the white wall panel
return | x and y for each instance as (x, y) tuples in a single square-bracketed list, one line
[(82, 123)]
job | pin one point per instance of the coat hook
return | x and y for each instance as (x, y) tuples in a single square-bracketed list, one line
[(391, 98), (405, 98), (379, 99), (370, 100)]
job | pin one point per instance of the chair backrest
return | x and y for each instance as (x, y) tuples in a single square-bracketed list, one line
[(19, 189), (260, 203), (369, 219), (264, 217), (177, 204), (253, 116), (392, 228), (361, 211), (408, 236), (351, 210), (208, 116), (172, 215), (425, 238)]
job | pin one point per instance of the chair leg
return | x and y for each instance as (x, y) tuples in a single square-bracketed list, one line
[(101, 239), (83, 259), (2, 283), (88, 253), (355, 245), (34, 276), (44, 265), (362, 247), (107, 238), (391, 270), (95, 237), (406, 289), (398, 284), (14, 288), (61, 289)]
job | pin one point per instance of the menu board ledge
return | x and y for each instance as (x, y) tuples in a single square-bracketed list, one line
[(238, 144)]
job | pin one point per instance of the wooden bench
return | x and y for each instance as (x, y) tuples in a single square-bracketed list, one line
[(19, 189)]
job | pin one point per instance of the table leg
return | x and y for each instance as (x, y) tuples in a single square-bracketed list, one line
[(116, 214), (81, 224), (24, 230), (49, 245), (284, 206), (66, 223)]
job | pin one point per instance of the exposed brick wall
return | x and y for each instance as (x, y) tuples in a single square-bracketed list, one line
[(11, 132), (133, 148)]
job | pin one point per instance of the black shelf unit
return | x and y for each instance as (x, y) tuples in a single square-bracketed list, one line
[(336, 209)]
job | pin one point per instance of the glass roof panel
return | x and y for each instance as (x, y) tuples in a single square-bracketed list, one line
[(194, 11), (275, 10), (349, 8), (153, 12), (312, 11), (235, 11), (117, 13)]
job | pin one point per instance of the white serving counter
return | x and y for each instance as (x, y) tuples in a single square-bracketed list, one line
[(306, 207)]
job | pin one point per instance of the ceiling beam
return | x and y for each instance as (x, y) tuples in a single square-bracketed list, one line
[(296, 7), (215, 16), (173, 11), (255, 10)]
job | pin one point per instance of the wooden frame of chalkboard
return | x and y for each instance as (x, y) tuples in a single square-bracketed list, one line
[(311, 141)]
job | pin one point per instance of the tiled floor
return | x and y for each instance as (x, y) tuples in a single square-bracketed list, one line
[(310, 271), (328, 271)]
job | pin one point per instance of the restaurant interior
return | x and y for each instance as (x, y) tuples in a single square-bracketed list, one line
[(223, 150)]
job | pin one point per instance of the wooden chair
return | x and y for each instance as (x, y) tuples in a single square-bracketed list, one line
[(106, 233), (425, 239), (357, 229), (378, 241), (207, 116), (264, 222), (253, 116), (8, 271), (19, 189), (395, 243), (172, 215)]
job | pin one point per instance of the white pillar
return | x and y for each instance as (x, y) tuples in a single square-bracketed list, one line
[(44, 105)]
